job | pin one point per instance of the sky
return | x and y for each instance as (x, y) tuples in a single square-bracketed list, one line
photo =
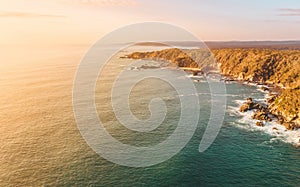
[(58, 22)]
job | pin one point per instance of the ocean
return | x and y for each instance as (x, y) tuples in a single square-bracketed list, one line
[(41, 144)]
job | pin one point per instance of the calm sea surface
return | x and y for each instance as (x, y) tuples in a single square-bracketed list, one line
[(41, 144)]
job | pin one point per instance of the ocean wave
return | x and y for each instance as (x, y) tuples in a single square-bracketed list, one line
[(250, 83), (273, 128), (233, 111), (188, 95)]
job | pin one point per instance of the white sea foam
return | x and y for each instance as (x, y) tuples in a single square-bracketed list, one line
[(198, 76), (250, 83), (259, 88), (230, 82), (189, 76), (273, 128), (199, 80), (188, 95), (233, 111)]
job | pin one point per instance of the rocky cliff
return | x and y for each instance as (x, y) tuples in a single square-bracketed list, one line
[(265, 66), (279, 67)]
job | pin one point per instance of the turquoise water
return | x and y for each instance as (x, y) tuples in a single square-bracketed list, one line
[(41, 145)]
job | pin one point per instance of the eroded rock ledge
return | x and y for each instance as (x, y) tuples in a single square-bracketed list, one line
[(264, 113)]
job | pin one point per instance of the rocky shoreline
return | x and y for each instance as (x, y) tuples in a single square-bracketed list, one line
[(276, 71), (265, 112)]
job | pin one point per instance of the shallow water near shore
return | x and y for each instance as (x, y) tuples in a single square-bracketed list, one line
[(41, 145)]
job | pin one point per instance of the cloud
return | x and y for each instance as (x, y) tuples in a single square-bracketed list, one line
[(26, 15), (280, 21), (109, 2), (289, 12)]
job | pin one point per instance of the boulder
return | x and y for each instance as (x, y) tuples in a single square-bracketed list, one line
[(263, 88), (250, 105), (245, 107), (259, 123), (289, 125), (271, 99), (280, 119), (261, 115)]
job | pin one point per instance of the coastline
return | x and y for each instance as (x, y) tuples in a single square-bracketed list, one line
[(272, 127), (267, 110), (272, 91), (261, 67)]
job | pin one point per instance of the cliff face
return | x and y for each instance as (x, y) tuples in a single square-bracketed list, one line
[(280, 67), (287, 105), (266, 66)]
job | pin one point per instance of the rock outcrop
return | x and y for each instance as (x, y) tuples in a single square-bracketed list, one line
[(250, 105), (259, 123), (261, 115)]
